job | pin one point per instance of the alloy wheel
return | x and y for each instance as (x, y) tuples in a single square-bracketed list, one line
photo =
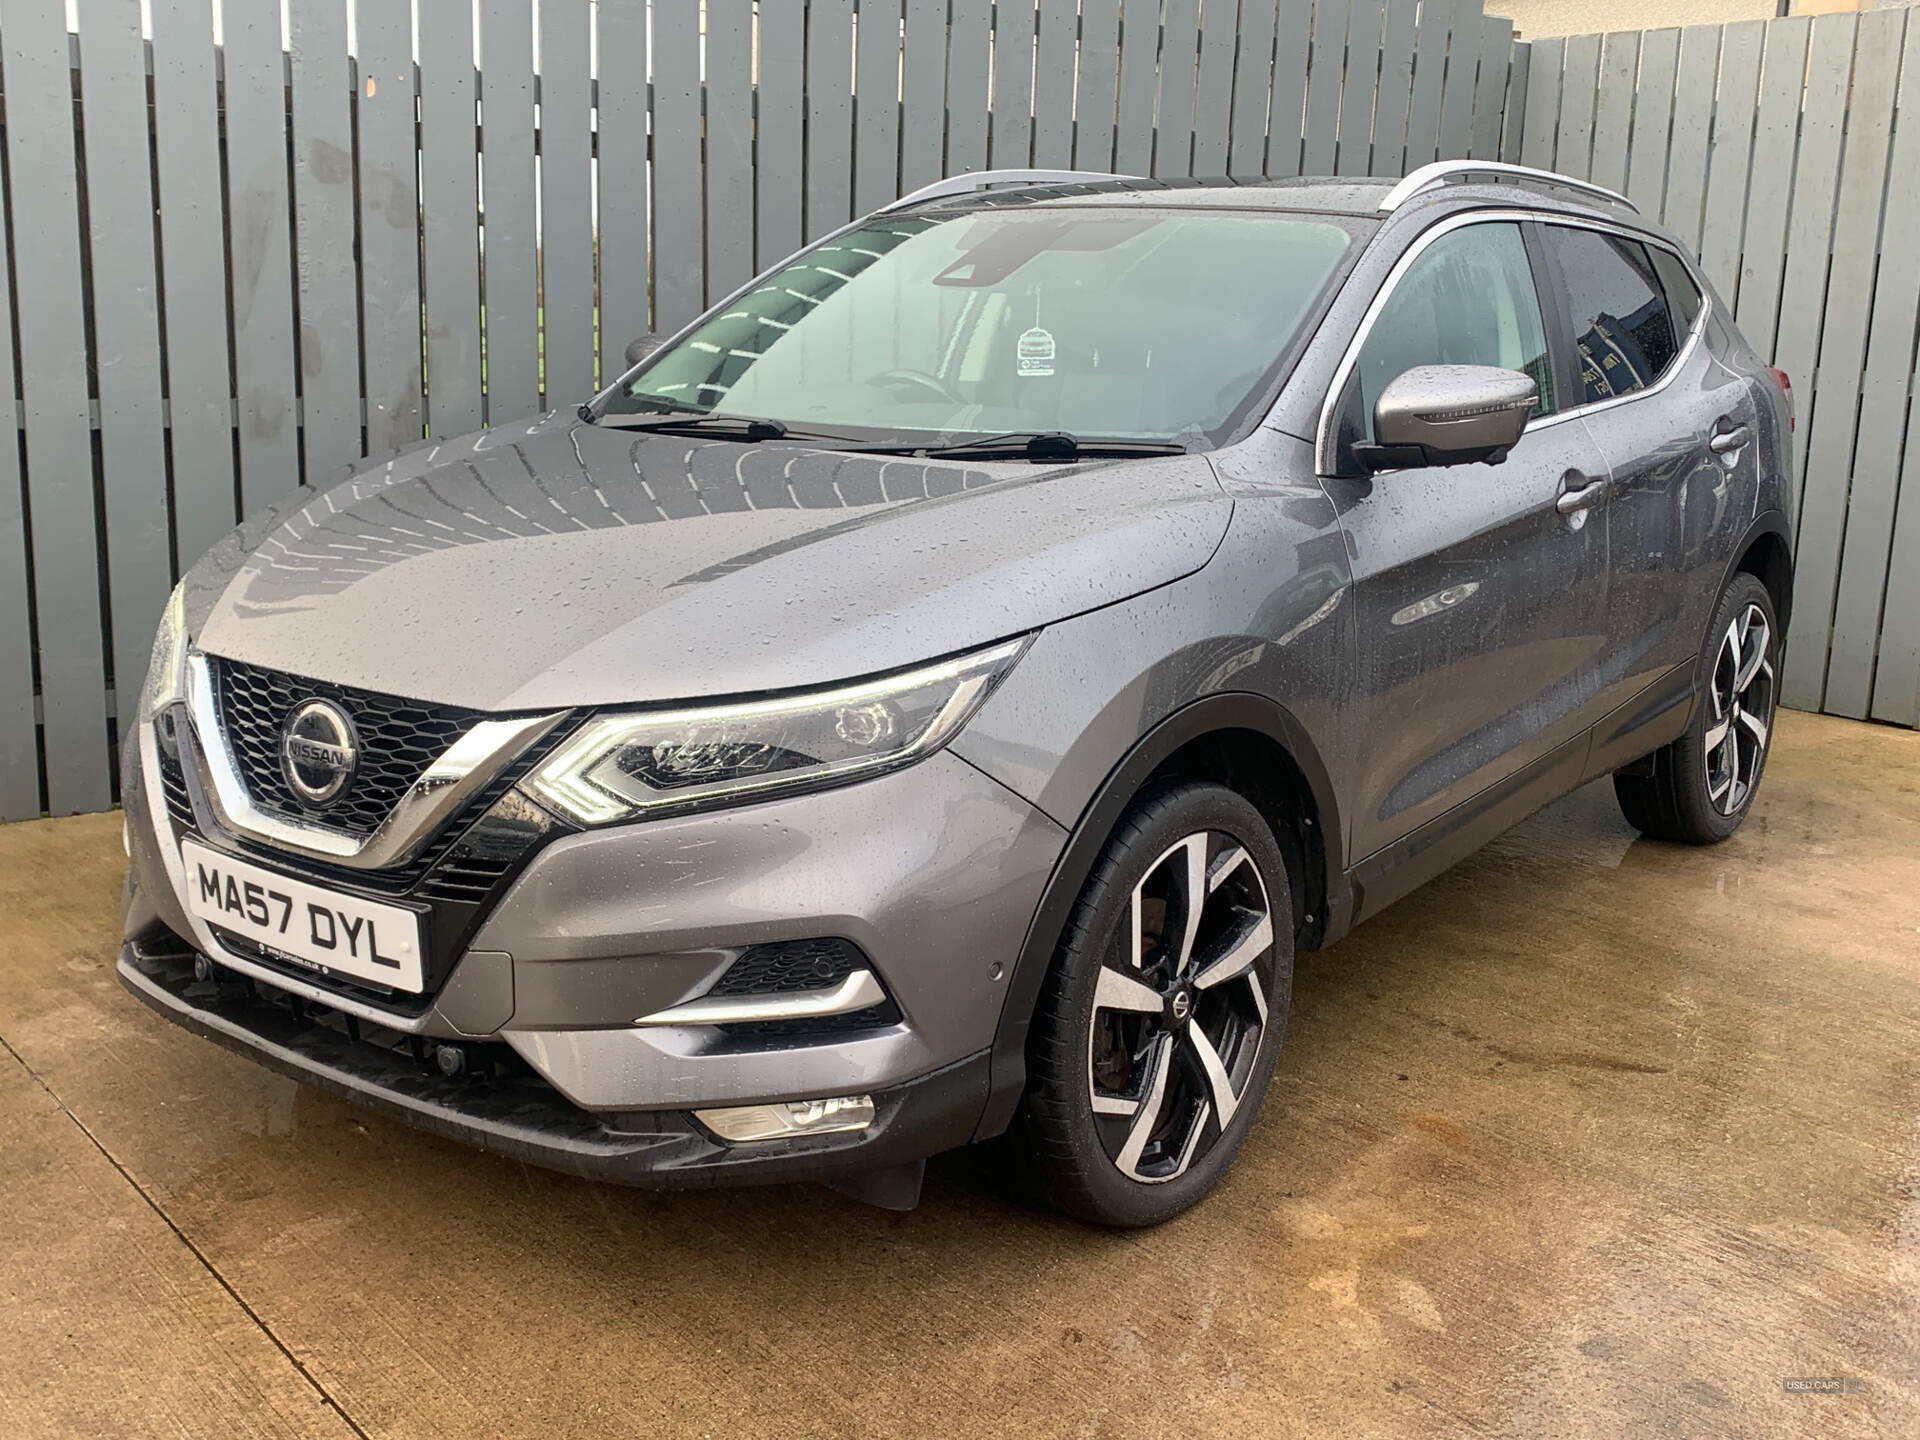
[(1179, 1008), (1741, 692)]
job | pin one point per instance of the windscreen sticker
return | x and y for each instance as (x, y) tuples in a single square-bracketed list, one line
[(1036, 352)]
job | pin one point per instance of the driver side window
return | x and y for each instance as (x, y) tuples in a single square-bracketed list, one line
[(1467, 299)]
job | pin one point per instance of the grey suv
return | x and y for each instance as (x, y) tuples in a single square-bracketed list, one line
[(934, 695)]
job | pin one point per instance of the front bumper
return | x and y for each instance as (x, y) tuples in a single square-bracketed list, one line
[(528, 1120), (933, 872)]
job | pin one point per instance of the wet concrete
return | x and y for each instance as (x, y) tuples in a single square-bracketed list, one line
[(1593, 1136)]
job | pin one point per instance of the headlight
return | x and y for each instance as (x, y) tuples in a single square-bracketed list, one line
[(166, 671), (624, 765)]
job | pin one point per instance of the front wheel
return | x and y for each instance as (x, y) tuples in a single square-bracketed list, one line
[(1703, 784), (1159, 1025)]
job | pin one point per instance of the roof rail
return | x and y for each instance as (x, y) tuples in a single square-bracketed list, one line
[(1428, 176), (980, 179)]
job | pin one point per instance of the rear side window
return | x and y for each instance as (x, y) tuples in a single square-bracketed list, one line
[(1623, 331), (1683, 296), (1467, 299)]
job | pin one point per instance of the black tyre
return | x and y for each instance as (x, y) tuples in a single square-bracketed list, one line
[(1159, 1024), (1703, 784)]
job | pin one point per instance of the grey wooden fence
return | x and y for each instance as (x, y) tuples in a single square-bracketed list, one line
[(1787, 152), (235, 267)]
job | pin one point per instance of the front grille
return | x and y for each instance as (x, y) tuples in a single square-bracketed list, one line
[(173, 781), (398, 738)]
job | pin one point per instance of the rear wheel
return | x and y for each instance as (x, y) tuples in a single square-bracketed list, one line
[(1159, 1025), (1703, 784)]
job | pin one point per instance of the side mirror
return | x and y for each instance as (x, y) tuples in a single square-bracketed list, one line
[(1448, 415), (638, 350)]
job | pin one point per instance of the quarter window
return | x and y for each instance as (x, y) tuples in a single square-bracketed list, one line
[(1623, 332), (1467, 299)]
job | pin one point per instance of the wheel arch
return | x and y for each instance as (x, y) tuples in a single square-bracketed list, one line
[(1766, 553), (1248, 742)]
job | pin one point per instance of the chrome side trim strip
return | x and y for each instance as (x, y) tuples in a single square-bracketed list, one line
[(857, 992), (1323, 449), (980, 179), (464, 768), (1440, 171)]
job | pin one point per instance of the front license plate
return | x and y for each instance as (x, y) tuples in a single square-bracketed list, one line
[(323, 929)]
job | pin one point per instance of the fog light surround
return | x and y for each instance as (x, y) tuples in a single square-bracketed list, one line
[(785, 1118)]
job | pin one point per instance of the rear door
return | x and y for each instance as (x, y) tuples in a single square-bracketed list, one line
[(1678, 432), (1481, 604)]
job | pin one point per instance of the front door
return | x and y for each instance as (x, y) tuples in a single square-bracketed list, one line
[(1480, 590)]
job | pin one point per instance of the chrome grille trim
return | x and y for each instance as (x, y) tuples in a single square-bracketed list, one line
[(462, 770)]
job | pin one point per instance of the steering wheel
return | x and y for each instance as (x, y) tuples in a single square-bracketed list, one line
[(902, 378)]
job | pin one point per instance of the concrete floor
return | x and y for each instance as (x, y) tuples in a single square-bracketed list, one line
[(1593, 1136)]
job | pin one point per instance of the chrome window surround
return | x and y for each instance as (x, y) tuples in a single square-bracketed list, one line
[(1324, 436), (1430, 176), (461, 771), (859, 991)]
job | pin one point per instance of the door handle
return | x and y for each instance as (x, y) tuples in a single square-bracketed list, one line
[(1581, 499), (1727, 441)]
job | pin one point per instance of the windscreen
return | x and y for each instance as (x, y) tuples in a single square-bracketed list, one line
[(1101, 323)]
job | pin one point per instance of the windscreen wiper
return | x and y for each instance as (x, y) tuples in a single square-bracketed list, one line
[(1045, 445), (705, 425)]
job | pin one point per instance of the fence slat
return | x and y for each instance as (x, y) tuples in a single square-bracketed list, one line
[(1010, 129), (1321, 135), (389, 233), (1541, 129), (324, 239), (261, 257), (449, 208), (969, 55), (1214, 93), (1769, 203), (729, 147), (923, 123), (1354, 153), (1513, 122), (782, 53), (1456, 92), (1396, 91), (1573, 151), (1850, 298), (566, 205), (193, 274), (1874, 505), (1810, 226), (53, 375), (1252, 88), (1179, 62), (1139, 64), (876, 106), (1429, 76), (1727, 173), (623, 183), (1286, 112), (126, 335), (1653, 120), (19, 736), (677, 288), (1496, 41), (1097, 86), (510, 257), (829, 115), (1613, 111), (1692, 125)]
